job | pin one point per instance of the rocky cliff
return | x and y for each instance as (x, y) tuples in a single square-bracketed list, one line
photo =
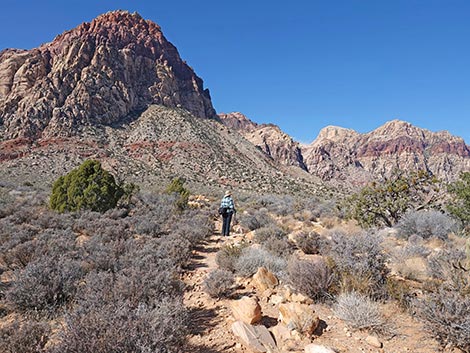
[(97, 73), (268, 137), (344, 154)]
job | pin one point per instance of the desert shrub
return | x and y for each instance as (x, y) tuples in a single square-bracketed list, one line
[(442, 264), (312, 278), (309, 243), (279, 247), (459, 206), (256, 220), (121, 328), (45, 285), (251, 259), (194, 226), (26, 337), (176, 248), (360, 313), (267, 233), (218, 283), (401, 292), (383, 204), (281, 205), (177, 188), (87, 187), (426, 224), (359, 263), (446, 316), (227, 257)]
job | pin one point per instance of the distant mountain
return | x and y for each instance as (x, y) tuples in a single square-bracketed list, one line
[(116, 90), (97, 73), (268, 137), (345, 155)]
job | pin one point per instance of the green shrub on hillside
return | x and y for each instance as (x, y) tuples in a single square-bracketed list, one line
[(87, 187), (177, 187)]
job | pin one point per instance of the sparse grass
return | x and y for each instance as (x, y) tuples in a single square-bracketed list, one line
[(360, 313)]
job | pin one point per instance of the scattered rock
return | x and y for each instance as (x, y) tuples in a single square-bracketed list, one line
[(301, 317), (264, 279), (247, 310), (257, 338)]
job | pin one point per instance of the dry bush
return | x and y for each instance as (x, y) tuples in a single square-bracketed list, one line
[(255, 220), (251, 259), (45, 285), (309, 243), (26, 337), (218, 283), (401, 292), (360, 313), (312, 278), (227, 257), (358, 263), (446, 316), (427, 224), (279, 247), (121, 328)]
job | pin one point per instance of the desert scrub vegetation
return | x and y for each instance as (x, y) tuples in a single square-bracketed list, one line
[(310, 277), (426, 224), (358, 263), (227, 257), (87, 187), (218, 283), (25, 337), (360, 313), (111, 277), (384, 203), (459, 205), (252, 258)]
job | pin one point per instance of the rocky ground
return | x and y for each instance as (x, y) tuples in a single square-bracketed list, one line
[(212, 319)]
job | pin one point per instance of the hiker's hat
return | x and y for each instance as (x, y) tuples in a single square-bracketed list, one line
[(228, 193)]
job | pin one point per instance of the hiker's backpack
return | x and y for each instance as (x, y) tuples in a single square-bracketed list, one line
[(223, 210)]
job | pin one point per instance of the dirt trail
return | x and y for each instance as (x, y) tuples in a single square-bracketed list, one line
[(210, 329)]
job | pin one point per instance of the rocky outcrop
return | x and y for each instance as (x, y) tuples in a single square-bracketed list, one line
[(343, 154), (268, 137), (97, 73)]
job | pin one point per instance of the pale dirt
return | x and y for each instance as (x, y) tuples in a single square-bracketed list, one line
[(211, 320)]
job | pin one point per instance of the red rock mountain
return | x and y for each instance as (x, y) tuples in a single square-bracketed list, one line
[(344, 154), (268, 137), (97, 73)]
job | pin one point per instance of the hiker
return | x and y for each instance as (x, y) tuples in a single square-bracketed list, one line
[(227, 209)]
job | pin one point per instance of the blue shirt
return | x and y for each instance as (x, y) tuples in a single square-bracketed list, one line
[(227, 202)]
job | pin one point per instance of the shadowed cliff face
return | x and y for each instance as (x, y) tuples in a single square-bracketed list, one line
[(344, 154), (97, 73)]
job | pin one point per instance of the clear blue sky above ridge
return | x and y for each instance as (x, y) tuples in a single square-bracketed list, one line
[(301, 64)]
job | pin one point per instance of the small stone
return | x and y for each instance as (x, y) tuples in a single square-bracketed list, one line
[(374, 341)]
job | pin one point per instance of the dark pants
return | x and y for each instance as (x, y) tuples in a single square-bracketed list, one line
[(226, 224)]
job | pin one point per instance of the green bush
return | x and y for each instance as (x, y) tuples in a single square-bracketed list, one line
[(177, 187), (460, 204), (383, 204), (88, 187)]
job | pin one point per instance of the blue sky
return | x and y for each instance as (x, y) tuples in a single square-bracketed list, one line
[(300, 64)]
